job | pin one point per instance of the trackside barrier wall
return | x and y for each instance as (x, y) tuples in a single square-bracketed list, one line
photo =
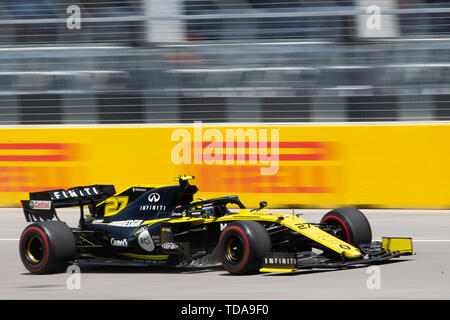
[(381, 165)]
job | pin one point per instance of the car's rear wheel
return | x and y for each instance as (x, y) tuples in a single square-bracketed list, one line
[(242, 246), (348, 224), (47, 247)]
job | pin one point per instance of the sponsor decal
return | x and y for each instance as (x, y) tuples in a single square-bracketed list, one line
[(40, 205), (152, 207), (150, 261), (119, 242), (154, 197), (74, 193), (156, 239), (276, 260), (169, 246), (139, 189), (145, 241), (126, 223)]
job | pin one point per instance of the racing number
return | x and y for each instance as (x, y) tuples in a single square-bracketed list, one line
[(115, 204)]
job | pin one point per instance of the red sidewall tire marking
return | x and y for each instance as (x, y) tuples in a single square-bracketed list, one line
[(47, 249), (341, 222), (243, 263)]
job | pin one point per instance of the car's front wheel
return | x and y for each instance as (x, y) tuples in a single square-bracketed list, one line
[(348, 224), (242, 245)]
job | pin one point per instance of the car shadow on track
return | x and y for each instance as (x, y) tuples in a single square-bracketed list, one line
[(99, 268), (106, 268)]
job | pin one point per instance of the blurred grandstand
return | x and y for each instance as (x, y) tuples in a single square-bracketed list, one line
[(153, 61)]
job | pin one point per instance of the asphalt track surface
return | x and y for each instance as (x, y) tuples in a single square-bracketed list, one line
[(425, 275)]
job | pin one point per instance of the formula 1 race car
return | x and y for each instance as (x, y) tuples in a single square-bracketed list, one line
[(165, 225)]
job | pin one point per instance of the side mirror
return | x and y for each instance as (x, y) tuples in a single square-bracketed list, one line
[(262, 205)]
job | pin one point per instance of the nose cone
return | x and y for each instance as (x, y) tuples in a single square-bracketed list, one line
[(352, 254)]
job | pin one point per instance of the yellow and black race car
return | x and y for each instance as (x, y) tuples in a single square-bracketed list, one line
[(165, 225)]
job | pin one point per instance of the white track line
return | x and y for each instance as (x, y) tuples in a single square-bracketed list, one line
[(431, 240)]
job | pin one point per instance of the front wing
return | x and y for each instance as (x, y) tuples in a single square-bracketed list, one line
[(374, 253)]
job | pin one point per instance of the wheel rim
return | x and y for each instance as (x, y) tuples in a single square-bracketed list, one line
[(34, 250), (338, 231), (337, 228), (234, 250)]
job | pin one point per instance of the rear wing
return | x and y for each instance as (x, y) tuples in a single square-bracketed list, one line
[(42, 205)]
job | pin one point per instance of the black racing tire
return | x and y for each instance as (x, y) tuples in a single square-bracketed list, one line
[(350, 225), (47, 247), (242, 245)]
